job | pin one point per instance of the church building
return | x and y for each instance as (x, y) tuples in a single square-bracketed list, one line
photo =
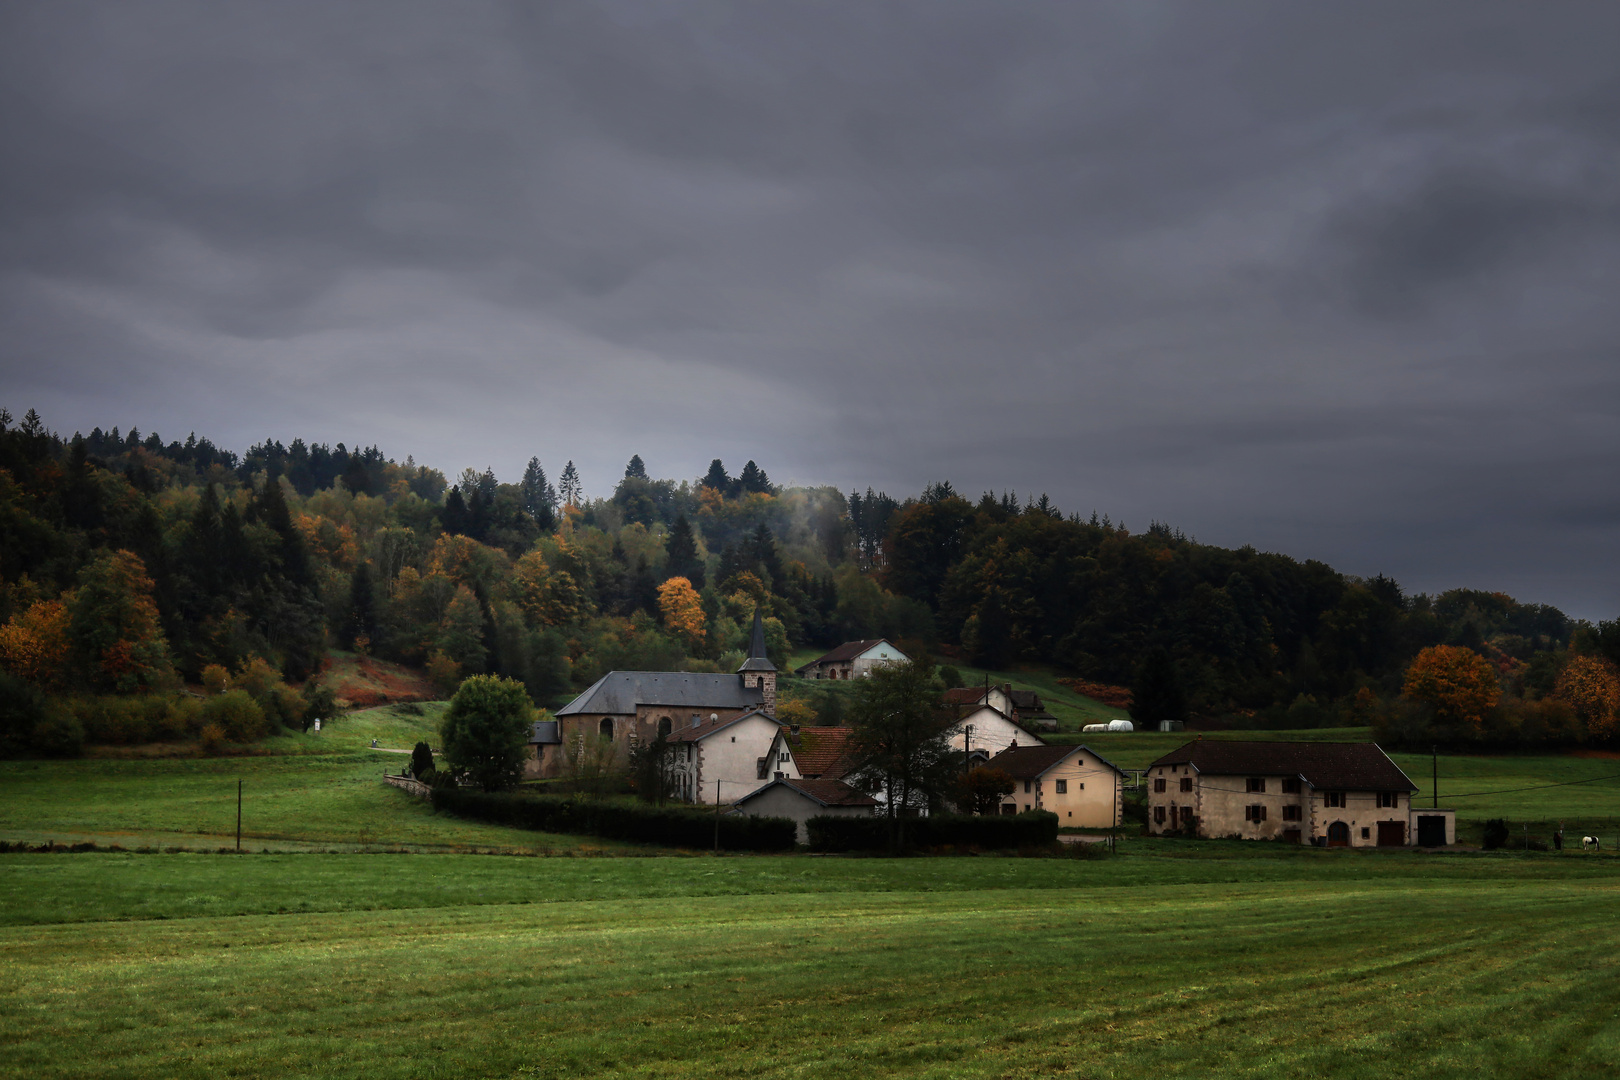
[(629, 707)]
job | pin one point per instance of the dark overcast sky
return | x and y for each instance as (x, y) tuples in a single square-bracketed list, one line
[(1337, 280)]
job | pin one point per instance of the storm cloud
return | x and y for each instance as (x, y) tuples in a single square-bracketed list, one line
[(1332, 280)]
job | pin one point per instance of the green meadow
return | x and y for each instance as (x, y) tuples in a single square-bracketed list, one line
[(1193, 960), (299, 792)]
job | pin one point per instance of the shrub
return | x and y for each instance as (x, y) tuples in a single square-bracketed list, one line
[(991, 832), (22, 709), (215, 679), (421, 760), (1496, 833), (237, 715), (58, 732), (670, 827), (212, 737)]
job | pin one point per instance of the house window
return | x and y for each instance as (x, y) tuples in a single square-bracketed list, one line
[(605, 729), (1026, 787), (1186, 783), (1293, 813), (1254, 813), (1062, 787), (1158, 786), (1158, 814), (1186, 815), (781, 758), (665, 726), (1389, 798), (1333, 800), (1257, 785), (1366, 833), (1290, 785)]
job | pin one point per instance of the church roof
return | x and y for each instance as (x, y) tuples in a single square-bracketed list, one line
[(619, 692)]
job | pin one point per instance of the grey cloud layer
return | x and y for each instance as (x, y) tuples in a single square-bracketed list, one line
[(1331, 280)]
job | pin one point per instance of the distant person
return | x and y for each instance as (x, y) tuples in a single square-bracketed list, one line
[(1558, 839)]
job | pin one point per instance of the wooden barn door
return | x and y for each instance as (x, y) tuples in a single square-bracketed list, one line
[(1338, 834), (1392, 834)]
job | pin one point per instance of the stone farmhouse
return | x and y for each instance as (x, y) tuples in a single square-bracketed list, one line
[(853, 660), (626, 707), (1333, 794), (1084, 789)]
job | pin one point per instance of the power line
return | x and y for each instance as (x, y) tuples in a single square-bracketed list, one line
[(1535, 787)]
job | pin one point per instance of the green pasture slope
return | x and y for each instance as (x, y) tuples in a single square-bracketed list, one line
[(1200, 960), (301, 791)]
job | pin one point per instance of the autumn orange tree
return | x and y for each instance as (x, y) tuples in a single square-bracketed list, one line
[(1590, 686), (34, 645), (1458, 683), (113, 625), (682, 610)]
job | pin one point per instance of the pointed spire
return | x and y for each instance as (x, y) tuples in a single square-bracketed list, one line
[(758, 659)]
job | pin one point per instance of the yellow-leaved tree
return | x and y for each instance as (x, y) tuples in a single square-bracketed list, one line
[(1590, 686), (1458, 683), (35, 646), (682, 610)]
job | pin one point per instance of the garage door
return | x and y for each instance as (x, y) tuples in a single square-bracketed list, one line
[(1392, 834), (1431, 830)]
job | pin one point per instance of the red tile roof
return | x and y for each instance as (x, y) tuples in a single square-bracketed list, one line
[(1325, 765), (964, 695), (822, 751)]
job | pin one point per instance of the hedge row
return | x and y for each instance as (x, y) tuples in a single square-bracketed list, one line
[(618, 821), (1035, 829)]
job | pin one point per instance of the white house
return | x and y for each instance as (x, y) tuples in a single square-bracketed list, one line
[(987, 731), (853, 660), (718, 760)]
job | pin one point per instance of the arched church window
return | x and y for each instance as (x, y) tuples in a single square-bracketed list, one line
[(665, 726), (606, 728)]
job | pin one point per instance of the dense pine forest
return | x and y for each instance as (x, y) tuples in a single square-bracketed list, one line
[(132, 567)]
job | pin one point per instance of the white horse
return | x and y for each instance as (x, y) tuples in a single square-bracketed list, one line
[(1591, 843)]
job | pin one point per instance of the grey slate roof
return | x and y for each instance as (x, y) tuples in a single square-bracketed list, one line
[(619, 692), (1347, 766)]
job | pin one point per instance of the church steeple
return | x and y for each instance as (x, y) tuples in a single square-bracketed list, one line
[(758, 670)]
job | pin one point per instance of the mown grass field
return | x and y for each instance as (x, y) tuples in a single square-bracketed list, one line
[(1201, 960), (299, 791)]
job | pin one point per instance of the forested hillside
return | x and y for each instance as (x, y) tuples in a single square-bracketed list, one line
[(130, 565)]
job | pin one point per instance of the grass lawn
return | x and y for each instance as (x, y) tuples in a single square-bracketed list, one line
[(1196, 960), (320, 791)]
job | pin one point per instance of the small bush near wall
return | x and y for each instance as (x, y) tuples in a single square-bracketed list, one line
[(613, 821), (991, 832)]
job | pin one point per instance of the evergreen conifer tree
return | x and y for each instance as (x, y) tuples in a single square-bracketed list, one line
[(753, 479), (569, 487), (636, 468), (1157, 695), (682, 554), (716, 478)]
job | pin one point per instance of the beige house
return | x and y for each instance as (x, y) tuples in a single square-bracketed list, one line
[(801, 800), (1081, 787), (718, 761), (1022, 707), (1337, 794)]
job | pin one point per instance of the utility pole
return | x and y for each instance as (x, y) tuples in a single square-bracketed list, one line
[(239, 815), (717, 784), (1434, 763), (967, 741)]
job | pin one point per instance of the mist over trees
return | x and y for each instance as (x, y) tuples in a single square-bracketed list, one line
[(129, 565)]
